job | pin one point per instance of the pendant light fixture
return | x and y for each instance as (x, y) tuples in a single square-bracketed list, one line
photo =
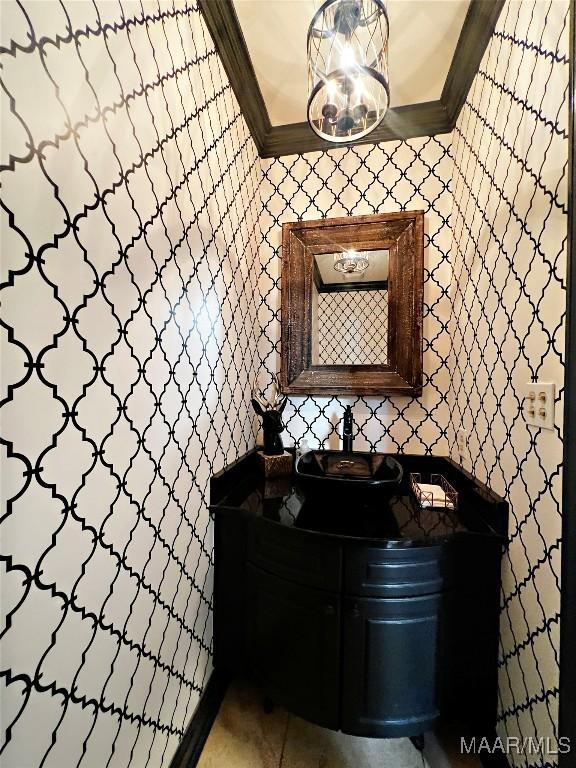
[(348, 68), (351, 262)]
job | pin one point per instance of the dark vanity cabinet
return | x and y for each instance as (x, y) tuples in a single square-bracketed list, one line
[(376, 634), (293, 645)]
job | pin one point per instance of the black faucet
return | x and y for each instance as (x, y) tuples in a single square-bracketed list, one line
[(347, 436)]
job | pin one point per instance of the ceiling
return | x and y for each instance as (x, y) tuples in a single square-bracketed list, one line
[(377, 270), (423, 38)]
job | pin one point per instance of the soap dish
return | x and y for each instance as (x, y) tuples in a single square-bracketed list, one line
[(437, 493)]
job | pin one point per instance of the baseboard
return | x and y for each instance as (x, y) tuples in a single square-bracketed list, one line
[(192, 744)]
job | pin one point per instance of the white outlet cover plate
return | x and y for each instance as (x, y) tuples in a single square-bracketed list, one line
[(539, 397)]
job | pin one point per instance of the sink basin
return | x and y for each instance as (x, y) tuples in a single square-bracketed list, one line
[(349, 469)]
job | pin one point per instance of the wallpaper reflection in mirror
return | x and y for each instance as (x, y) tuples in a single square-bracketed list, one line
[(350, 308)]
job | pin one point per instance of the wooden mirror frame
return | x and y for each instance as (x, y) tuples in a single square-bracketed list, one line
[(402, 234)]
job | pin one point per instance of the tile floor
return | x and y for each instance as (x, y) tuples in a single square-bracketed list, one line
[(244, 736)]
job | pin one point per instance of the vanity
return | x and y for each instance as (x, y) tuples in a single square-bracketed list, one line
[(356, 608), (350, 599)]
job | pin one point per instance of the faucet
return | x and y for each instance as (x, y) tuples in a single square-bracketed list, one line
[(347, 436)]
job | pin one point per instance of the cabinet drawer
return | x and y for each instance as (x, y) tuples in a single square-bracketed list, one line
[(381, 572), (295, 555)]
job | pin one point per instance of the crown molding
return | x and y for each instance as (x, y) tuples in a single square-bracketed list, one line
[(405, 122), (224, 27), (475, 35)]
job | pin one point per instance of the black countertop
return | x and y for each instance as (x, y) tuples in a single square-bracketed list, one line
[(391, 518)]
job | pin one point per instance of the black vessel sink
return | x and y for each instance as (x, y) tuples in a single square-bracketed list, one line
[(349, 469)]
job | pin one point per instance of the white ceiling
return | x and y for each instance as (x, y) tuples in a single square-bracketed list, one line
[(377, 269), (423, 36)]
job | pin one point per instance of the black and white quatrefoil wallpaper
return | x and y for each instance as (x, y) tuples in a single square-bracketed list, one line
[(352, 328), (508, 295), (130, 202), (140, 299)]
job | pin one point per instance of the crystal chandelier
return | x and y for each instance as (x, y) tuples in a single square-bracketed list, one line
[(348, 68), (350, 262)]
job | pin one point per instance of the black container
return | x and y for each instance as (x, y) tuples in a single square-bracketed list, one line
[(344, 471)]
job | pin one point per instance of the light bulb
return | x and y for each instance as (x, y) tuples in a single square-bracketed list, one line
[(359, 112), (348, 59), (331, 89), (359, 87)]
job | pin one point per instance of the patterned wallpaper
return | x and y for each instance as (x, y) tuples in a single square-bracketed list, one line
[(353, 328), (141, 295), (410, 175), (509, 259), (130, 203), (494, 194)]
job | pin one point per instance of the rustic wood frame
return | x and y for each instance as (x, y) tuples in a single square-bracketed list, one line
[(403, 235), (405, 122)]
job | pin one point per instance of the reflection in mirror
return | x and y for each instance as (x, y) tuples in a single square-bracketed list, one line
[(350, 308)]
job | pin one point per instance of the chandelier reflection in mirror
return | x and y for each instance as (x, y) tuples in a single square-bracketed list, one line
[(348, 68), (351, 262)]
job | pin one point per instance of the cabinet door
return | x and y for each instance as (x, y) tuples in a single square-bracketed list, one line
[(389, 655), (293, 645), (229, 592)]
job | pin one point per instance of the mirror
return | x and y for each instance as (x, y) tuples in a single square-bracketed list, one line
[(352, 293), (350, 308)]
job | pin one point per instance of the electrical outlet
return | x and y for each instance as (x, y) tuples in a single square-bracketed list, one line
[(462, 442), (538, 406)]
